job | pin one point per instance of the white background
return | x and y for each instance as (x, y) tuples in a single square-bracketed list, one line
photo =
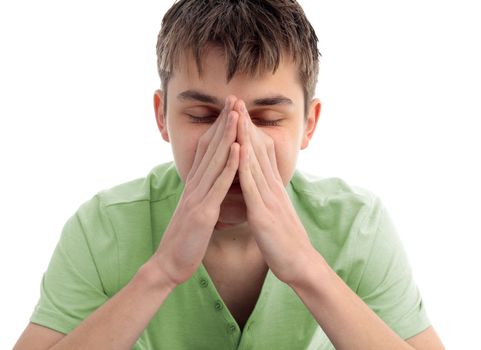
[(400, 87)]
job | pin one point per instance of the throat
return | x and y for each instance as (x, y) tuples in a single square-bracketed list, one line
[(232, 237)]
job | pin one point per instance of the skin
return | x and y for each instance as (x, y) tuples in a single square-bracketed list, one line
[(263, 213), (266, 160), (290, 135)]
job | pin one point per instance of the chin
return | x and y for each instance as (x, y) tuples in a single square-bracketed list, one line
[(222, 225)]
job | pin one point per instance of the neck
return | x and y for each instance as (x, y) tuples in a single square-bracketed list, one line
[(236, 236)]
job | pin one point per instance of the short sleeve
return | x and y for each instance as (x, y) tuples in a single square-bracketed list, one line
[(387, 285), (71, 288)]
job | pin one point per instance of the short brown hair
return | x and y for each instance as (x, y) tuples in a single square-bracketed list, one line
[(252, 33)]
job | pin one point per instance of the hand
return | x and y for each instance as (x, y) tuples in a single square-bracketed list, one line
[(187, 236), (272, 219)]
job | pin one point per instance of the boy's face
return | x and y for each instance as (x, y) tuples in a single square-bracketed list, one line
[(289, 136)]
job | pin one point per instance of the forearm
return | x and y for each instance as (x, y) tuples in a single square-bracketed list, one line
[(119, 322), (344, 317)]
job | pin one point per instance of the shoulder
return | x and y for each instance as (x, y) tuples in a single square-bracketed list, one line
[(343, 222), (116, 223), (334, 203), (327, 188), (161, 181)]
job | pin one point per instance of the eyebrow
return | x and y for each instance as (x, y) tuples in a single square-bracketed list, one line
[(196, 95)]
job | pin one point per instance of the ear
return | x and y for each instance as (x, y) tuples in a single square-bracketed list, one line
[(311, 122), (160, 118)]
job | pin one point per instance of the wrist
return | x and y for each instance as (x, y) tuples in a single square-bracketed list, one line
[(152, 275), (315, 269)]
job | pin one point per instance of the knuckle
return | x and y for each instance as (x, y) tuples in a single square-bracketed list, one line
[(279, 189), (196, 215), (272, 204), (191, 203), (211, 213), (208, 213)]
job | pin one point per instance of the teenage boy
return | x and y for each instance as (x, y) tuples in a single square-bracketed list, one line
[(230, 246)]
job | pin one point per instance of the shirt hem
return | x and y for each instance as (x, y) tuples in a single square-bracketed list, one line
[(52, 321)]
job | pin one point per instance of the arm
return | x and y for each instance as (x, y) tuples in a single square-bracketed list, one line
[(346, 319), (80, 290), (115, 325), (385, 276)]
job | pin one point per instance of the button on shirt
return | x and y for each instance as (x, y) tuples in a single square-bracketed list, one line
[(111, 235)]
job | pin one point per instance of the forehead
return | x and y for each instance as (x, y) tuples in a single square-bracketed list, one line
[(213, 77)]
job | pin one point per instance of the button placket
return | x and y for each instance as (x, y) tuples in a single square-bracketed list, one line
[(208, 287), (218, 305), (204, 283), (231, 328)]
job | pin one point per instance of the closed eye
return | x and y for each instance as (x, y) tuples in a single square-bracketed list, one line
[(208, 118)]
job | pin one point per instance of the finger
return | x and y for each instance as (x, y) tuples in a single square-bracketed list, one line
[(220, 157), (221, 186), (260, 180), (250, 193), (259, 142), (203, 143), (271, 152), (253, 193), (213, 145), (208, 138)]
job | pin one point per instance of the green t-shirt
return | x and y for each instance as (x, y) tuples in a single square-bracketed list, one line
[(113, 234)]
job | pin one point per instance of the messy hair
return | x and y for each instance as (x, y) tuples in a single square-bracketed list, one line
[(253, 34)]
